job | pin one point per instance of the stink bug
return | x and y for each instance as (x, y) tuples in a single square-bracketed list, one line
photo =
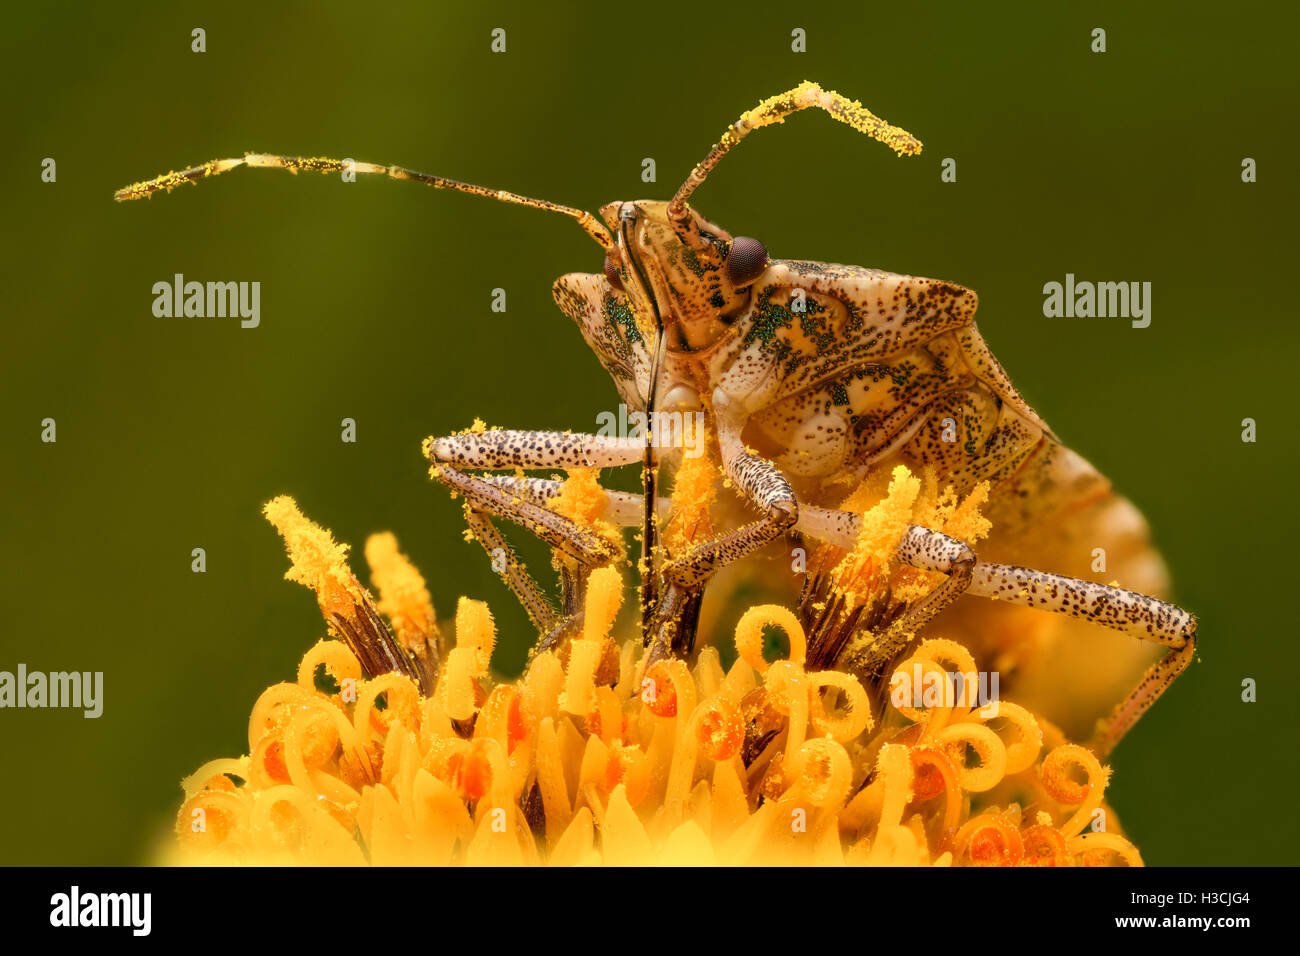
[(812, 376)]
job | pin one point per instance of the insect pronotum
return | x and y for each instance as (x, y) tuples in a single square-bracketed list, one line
[(810, 374)]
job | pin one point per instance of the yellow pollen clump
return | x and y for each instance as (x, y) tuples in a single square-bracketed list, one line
[(316, 559), (314, 553), (695, 488), (584, 501), (582, 498), (403, 595), (862, 570), (865, 571)]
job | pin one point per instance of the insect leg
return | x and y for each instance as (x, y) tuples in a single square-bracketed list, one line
[(920, 548), (624, 509), (584, 550), (560, 532), (1122, 610), (503, 448), (774, 110), (1152, 684), (514, 573), (524, 502), (676, 612), (760, 481), (510, 448), (763, 484), (1127, 611)]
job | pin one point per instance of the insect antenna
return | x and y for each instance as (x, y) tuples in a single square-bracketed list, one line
[(774, 110), (169, 181)]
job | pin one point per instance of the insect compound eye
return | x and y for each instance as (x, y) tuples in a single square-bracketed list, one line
[(611, 273), (746, 260)]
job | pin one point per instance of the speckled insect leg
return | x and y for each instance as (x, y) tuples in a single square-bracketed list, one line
[(949, 556), (840, 528), (1154, 682), (678, 607), (573, 587), (567, 536), (1116, 608), (502, 448), (511, 448), (1128, 611), (515, 574), (1121, 610), (523, 501), (674, 623), (931, 551), (625, 508), (762, 483), (584, 548)]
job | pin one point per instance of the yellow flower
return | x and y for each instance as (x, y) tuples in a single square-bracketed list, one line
[(594, 757)]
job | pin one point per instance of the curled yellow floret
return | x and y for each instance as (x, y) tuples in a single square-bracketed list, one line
[(575, 763), (606, 752)]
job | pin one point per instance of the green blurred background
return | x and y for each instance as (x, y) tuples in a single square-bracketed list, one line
[(375, 306)]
